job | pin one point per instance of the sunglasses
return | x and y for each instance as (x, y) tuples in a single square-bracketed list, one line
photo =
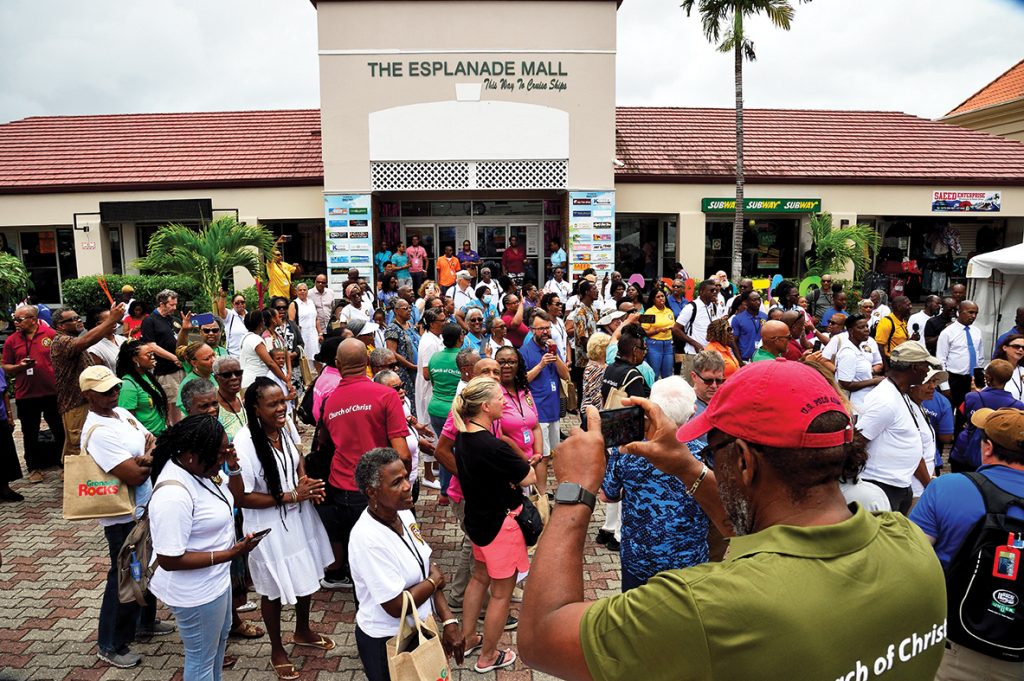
[(115, 389), (215, 329), (710, 381), (280, 308), (1015, 346), (707, 454), (231, 374)]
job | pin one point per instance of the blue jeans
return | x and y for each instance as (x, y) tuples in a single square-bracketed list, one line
[(437, 425), (204, 633), (119, 621), (660, 357)]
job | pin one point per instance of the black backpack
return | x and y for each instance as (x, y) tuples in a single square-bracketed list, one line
[(985, 611)]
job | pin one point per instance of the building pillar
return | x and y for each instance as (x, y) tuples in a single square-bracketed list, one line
[(690, 244)]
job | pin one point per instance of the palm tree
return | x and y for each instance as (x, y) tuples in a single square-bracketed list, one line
[(834, 248), (210, 254), (723, 24)]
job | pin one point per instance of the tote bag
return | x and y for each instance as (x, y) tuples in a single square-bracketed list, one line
[(416, 653), (90, 492)]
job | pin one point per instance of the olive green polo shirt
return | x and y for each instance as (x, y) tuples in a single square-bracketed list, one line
[(855, 600)]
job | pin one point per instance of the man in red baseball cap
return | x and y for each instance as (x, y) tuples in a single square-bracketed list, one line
[(810, 588)]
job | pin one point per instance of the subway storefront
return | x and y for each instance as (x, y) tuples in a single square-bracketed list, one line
[(771, 234)]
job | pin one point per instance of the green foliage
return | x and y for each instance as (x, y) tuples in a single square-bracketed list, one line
[(836, 247), (15, 283), (209, 255), (85, 294)]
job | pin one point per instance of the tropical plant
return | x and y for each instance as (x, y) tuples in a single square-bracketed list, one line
[(15, 283), (833, 248), (210, 254), (84, 294), (723, 24)]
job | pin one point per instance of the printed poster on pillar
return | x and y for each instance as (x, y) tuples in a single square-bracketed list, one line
[(591, 233), (349, 237)]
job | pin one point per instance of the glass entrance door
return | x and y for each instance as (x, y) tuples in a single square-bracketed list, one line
[(39, 253), (434, 238), (492, 239)]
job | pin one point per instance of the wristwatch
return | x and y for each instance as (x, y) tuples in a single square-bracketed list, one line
[(572, 493)]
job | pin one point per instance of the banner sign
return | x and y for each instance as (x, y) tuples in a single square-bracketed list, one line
[(349, 225), (762, 205), (975, 201), (591, 233)]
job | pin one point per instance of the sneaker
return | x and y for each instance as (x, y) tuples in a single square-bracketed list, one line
[(604, 536), (335, 583), (511, 623), (159, 628), (37, 477), (249, 606), (432, 484), (612, 545), (517, 594), (125, 660)]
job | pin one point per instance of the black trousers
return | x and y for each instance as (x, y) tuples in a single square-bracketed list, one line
[(373, 653), (900, 498), (959, 386), (10, 467), (30, 411)]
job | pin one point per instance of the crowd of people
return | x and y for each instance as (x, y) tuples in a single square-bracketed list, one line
[(776, 425)]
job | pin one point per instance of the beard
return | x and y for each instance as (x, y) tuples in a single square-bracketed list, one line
[(737, 507)]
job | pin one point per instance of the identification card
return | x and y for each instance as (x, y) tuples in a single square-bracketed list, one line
[(527, 436), (554, 387), (1007, 561), (29, 371)]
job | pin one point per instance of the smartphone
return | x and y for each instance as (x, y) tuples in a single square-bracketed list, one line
[(553, 347), (647, 319), (286, 237), (202, 319), (620, 426), (261, 534)]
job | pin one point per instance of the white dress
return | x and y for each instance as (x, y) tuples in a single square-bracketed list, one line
[(290, 561), (306, 319)]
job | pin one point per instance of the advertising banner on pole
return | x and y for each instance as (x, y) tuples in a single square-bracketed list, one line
[(591, 233), (349, 225)]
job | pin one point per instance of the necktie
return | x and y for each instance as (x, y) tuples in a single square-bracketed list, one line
[(971, 352)]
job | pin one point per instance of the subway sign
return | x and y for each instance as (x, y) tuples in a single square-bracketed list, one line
[(762, 205)]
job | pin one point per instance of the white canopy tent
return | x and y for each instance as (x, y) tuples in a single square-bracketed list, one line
[(996, 284)]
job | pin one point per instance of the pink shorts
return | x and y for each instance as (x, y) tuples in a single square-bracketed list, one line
[(506, 555)]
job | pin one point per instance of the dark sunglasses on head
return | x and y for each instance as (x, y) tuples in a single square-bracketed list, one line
[(231, 374)]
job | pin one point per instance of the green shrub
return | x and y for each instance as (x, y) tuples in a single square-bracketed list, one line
[(84, 294)]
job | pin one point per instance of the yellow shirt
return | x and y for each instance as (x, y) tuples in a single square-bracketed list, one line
[(280, 276), (663, 322), (890, 334)]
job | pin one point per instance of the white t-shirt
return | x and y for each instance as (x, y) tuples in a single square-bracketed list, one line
[(495, 345), (190, 519), (867, 494), (705, 314), (854, 364), (252, 366), (894, 448), (560, 335), (234, 332), (928, 443), (112, 441), (832, 347), (412, 440), (107, 350), (352, 313), (562, 288), (383, 566), (920, 319), (1015, 386)]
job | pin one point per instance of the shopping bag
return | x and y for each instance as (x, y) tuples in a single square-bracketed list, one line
[(569, 391), (90, 492), (416, 653), (305, 369)]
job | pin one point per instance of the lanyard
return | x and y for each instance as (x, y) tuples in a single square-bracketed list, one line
[(907, 402), (1017, 381), (214, 491), (412, 549), (515, 401)]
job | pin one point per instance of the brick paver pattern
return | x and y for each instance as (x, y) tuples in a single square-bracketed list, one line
[(52, 579)]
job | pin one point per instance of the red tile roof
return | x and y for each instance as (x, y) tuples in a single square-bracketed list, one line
[(698, 145), (1005, 88), (157, 151), (283, 148)]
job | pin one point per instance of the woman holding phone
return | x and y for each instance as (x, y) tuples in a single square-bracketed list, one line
[(278, 499)]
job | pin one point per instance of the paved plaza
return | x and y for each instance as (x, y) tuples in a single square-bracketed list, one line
[(51, 585)]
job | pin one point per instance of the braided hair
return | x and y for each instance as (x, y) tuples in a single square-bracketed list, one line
[(260, 441), (202, 435), (126, 366)]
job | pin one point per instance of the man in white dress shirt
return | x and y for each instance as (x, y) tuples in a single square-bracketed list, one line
[(462, 291), (961, 350), (915, 325), (323, 300)]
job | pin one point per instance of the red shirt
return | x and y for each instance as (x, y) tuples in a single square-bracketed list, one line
[(360, 416), (513, 260), (794, 351), (515, 335), (16, 348)]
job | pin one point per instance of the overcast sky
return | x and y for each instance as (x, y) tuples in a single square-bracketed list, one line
[(125, 56)]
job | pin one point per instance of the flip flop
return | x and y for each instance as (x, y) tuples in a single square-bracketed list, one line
[(478, 646), (505, 658), (247, 630), (286, 675), (323, 644), (229, 662)]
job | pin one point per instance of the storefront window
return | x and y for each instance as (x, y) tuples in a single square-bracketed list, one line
[(769, 246), (492, 208), (636, 246), (450, 208), (415, 209)]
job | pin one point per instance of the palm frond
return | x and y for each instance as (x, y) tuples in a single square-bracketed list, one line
[(835, 247)]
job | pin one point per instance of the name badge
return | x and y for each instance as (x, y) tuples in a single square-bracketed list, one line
[(554, 387), (527, 436), (29, 371)]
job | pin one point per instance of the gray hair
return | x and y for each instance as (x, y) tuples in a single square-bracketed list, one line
[(385, 375), (708, 360), (166, 295), (380, 356), (220, 362), (466, 358), (193, 389), (356, 326), (883, 297), (32, 309), (675, 397), (368, 469), (473, 312)]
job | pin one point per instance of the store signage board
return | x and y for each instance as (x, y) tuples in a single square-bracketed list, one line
[(349, 239), (966, 201), (762, 205), (591, 233)]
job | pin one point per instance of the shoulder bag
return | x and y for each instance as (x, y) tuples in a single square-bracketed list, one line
[(416, 653), (89, 491)]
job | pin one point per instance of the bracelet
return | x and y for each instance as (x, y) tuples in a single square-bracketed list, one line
[(447, 622), (432, 583), (211, 558), (234, 472), (700, 479), (295, 497)]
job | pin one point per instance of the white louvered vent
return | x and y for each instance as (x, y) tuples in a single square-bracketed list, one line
[(522, 174), (441, 175)]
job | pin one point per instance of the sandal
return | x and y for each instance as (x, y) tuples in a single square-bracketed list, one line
[(229, 662), (247, 630), (282, 673), (323, 644), (472, 649), (505, 658)]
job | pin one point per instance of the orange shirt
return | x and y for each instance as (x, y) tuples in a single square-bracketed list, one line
[(732, 365), (447, 268)]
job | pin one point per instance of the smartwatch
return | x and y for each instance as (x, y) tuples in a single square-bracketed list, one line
[(572, 493)]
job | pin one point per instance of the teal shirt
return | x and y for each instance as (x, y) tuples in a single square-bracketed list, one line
[(445, 377), (612, 353)]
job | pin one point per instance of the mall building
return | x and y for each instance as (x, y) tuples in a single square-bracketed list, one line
[(489, 119)]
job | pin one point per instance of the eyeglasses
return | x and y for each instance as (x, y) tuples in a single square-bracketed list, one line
[(76, 318), (508, 362), (540, 328), (19, 320), (710, 381), (231, 374), (111, 391)]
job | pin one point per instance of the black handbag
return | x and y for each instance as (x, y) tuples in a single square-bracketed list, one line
[(530, 521), (318, 461)]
